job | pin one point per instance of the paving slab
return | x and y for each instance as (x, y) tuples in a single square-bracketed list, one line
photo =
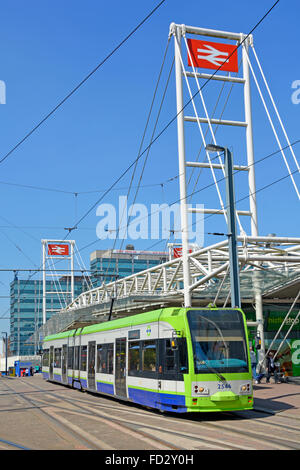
[(278, 398)]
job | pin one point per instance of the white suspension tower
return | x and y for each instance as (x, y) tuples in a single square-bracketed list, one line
[(54, 251), (179, 32)]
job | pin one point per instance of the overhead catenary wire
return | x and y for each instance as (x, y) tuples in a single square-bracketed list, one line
[(176, 115), (224, 178), (272, 126), (160, 241), (159, 134), (81, 82), (142, 142)]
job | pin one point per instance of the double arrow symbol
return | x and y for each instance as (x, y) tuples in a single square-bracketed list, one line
[(213, 55)]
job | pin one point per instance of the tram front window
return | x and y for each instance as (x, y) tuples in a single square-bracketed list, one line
[(219, 343)]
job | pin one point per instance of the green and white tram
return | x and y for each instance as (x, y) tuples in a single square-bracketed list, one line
[(173, 359)]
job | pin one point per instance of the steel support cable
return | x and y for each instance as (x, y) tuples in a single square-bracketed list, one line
[(272, 125), (81, 83), (79, 261), (295, 320), (205, 134), (217, 125), (274, 106), (142, 143), (281, 326), (175, 117), (223, 179), (60, 294), (210, 128), (221, 285), (212, 184), (202, 99), (255, 192), (165, 128), (200, 129)]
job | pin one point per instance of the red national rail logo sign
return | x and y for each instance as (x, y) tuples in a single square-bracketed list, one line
[(177, 252), (213, 55), (58, 250)]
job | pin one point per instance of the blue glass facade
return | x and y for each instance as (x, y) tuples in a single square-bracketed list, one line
[(109, 265), (26, 311), (26, 296)]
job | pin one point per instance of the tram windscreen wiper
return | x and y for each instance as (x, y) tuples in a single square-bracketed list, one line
[(218, 374), (221, 377)]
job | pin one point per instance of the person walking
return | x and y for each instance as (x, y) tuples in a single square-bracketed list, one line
[(271, 368), (253, 361)]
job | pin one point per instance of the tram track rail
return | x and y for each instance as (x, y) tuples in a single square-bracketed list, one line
[(49, 410), (241, 431)]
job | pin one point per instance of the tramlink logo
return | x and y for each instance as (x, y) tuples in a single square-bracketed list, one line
[(148, 331)]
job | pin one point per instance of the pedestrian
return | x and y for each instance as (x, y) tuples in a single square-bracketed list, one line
[(26, 372), (271, 368), (253, 361), (31, 370)]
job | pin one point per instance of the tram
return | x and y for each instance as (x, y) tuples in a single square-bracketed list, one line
[(172, 359)]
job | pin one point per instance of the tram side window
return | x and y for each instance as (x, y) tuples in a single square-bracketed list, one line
[(70, 357), (46, 357), (83, 358), (105, 358), (149, 356), (134, 357), (170, 358), (110, 358), (183, 356), (57, 357), (100, 358), (76, 358)]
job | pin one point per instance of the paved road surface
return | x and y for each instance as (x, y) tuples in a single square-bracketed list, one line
[(40, 415)]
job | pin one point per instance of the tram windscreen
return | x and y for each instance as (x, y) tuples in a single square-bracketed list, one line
[(219, 343)]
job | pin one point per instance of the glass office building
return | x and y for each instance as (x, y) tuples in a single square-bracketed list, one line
[(109, 265), (26, 296), (26, 310)]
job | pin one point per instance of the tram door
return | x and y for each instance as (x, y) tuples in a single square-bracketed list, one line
[(51, 361), (64, 363), (91, 365), (120, 368)]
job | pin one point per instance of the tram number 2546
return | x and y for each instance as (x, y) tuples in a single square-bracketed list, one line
[(223, 386)]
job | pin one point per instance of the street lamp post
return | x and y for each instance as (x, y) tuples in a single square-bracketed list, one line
[(5, 333), (231, 222)]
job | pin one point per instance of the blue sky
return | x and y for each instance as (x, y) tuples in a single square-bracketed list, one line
[(47, 48)]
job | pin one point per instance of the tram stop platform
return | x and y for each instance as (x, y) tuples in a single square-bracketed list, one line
[(283, 398)]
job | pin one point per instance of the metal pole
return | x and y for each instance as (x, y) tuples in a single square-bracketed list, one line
[(44, 281), (252, 192), (182, 168), (249, 141), (231, 221), (6, 350), (72, 271)]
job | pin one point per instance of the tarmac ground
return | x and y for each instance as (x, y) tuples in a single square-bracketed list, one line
[(41, 415), (281, 398)]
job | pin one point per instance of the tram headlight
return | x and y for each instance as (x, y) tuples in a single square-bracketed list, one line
[(245, 388), (199, 390)]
